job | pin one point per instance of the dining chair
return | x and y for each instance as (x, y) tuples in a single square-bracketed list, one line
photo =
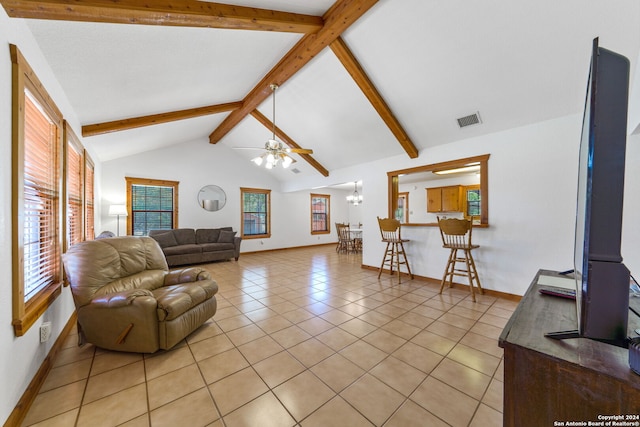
[(456, 236), (394, 253), (345, 241)]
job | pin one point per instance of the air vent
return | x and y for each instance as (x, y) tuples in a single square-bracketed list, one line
[(295, 170), (473, 119)]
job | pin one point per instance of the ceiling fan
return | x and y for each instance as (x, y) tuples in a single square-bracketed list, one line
[(275, 151)]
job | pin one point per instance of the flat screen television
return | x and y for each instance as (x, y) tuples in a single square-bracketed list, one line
[(602, 280)]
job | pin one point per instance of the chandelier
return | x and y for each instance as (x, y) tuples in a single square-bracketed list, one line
[(276, 153), (356, 198)]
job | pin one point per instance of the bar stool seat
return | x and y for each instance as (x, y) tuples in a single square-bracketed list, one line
[(394, 253), (456, 236)]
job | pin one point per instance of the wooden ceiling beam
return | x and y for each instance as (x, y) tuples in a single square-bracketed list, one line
[(353, 67), (289, 141), (181, 13), (156, 119), (337, 19)]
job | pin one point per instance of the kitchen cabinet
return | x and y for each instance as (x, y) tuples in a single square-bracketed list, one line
[(445, 199)]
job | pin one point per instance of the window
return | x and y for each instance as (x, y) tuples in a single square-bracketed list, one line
[(37, 211), (89, 213), (74, 172), (472, 201), (152, 205), (256, 213), (320, 218)]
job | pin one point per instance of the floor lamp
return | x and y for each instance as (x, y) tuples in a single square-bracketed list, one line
[(118, 210)]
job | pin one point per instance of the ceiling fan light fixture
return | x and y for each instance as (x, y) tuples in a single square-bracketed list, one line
[(276, 153), (257, 160)]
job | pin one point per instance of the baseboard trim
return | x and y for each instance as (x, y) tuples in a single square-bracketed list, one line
[(289, 247), (490, 292), (20, 411)]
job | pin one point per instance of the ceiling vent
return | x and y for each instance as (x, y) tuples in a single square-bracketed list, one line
[(473, 119), (295, 170)]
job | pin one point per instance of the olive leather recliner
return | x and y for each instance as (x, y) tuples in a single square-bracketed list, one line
[(127, 299)]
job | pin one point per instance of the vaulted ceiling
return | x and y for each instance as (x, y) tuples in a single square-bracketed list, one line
[(359, 80)]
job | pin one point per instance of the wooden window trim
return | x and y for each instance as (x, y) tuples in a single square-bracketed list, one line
[(321, 196), (151, 182), (25, 314), (465, 204), (244, 190)]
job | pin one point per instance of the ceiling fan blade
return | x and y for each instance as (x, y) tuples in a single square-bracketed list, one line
[(299, 150)]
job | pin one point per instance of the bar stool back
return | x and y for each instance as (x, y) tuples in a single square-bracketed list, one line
[(456, 236), (394, 253)]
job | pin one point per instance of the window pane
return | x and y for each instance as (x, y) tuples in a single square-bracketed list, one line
[(319, 213), (255, 214), (151, 208), (473, 202), (41, 199)]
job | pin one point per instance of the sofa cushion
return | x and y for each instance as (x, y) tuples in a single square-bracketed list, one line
[(185, 236), (215, 247), (166, 240), (226, 236), (207, 235), (182, 250)]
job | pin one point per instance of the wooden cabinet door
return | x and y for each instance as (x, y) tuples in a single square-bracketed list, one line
[(434, 199), (451, 199)]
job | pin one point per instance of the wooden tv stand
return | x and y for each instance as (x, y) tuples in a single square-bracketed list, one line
[(550, 382)]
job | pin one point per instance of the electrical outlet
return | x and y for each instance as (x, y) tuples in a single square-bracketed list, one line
[(45, 332)]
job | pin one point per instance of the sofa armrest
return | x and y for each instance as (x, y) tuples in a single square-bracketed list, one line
[(184, 275), (236, 242)]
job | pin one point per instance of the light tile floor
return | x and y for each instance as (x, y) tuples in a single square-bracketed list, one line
[(302, 337)]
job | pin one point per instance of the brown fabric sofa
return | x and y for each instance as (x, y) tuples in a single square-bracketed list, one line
[(189, 246), (126, 298)]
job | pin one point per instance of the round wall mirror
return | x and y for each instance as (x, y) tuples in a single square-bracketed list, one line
[(211, 198)]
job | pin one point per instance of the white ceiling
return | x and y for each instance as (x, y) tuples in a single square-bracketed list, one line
[(516, 62)]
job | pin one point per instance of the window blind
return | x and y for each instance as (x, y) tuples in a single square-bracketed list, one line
[(74, 193), (89, 229), (41, 199)]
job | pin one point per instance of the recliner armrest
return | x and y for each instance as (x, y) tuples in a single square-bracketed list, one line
[(184, 275), (120, 299)]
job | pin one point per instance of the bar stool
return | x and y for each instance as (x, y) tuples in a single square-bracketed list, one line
[(456, 236), (394, 252)]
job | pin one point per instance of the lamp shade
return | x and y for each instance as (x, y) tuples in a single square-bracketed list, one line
[(118, 210)]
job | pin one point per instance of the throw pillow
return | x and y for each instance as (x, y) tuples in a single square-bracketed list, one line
[(165, 240), (207, 235), (226, 236)]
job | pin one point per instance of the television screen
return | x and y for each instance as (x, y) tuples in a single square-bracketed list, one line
[(602, 281)]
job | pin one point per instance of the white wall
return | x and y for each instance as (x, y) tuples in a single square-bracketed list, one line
[(21, 357), (532, 205), (532, 186), (197, 163), (630, 228)]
